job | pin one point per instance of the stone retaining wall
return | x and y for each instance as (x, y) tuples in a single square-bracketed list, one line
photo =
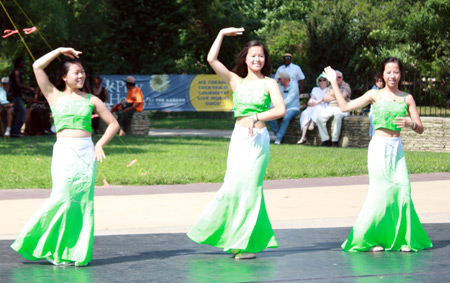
[(355, 133), (139, 125)]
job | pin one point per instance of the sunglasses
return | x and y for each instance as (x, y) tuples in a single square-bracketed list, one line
[(339, 77), (322, 80)]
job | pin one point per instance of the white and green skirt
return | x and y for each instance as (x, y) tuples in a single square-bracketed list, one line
[(387, 217), (236, 218), (63, 229)]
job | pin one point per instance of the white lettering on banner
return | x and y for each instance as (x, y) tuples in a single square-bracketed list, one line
[(173, 101), (109, 85), (114, 97), (114, 88)]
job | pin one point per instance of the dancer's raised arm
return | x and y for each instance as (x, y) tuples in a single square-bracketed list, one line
[(39, 66), (344, 105), (214, 62)]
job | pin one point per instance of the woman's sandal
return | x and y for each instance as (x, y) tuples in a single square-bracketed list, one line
[(245, 256), (377, 249), (234, 252)]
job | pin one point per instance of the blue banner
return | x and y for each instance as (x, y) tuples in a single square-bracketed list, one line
[(174, 92)]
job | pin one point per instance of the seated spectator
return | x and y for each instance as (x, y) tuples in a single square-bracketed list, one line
[(333, 110), (133, 103), (6, 105), (38, 116), (101, 92), (291, 100), (316, 105), (379, 84)]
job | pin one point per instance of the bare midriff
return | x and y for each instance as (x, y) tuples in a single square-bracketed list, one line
[(241, 122), (386, 133), (71, 133)]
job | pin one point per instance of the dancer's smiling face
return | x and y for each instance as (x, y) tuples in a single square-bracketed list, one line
[(392, 74), (75, 76), (255, 58)]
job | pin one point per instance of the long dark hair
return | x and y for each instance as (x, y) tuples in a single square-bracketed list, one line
[(63, 70), (241, 67), (400, 66)]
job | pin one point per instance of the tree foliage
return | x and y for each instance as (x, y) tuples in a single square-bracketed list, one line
[(174, 36)]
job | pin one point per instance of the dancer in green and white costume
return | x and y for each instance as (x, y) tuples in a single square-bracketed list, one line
[(236, 219), (62, 231), (388, 220)]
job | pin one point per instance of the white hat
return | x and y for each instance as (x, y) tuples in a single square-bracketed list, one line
[(5, 80), (283, 75)]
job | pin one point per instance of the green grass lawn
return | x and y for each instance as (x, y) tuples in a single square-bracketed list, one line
[(227, 123), (180, 160)]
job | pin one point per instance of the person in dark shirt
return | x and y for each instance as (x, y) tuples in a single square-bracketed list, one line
[(15, 89)]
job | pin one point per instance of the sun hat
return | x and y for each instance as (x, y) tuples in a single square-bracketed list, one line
[(283, 75), (319, 77), (130, 80)]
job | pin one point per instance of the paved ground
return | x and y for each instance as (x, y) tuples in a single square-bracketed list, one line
[(140, 236), (201, 133), (197, 133)]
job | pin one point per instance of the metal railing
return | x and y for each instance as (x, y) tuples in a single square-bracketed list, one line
[(432, 95)]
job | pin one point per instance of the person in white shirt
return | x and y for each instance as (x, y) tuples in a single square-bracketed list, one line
[(291, 100), (294, 71)]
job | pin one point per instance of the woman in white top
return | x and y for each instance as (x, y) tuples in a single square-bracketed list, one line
[(315, 105)]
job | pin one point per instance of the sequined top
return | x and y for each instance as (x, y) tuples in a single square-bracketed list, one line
[(249, 100), (73, 114), (384, 112)]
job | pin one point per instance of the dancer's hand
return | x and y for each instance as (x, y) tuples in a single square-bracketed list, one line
[(330, 74), (402, 122), (232, 31), (70, 52), (249, 124), (99, 154)]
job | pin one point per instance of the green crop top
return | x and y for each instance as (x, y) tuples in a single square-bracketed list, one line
[(73, 114), (384, 111), (249, 100)]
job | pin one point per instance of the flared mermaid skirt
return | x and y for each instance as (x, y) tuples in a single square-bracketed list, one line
[(236, 218), (387, 217), (63, 229)]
